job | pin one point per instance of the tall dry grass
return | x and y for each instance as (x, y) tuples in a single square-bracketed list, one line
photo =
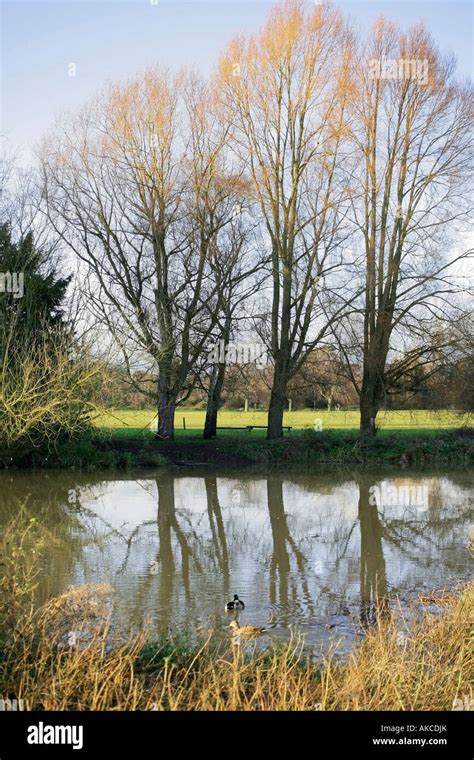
[(425, 665)]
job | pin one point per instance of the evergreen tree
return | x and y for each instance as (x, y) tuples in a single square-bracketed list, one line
[(31, 293)]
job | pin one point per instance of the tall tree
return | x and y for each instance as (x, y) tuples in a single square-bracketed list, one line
[(285, 91), (237, 272), (411, 131), (138, 187)]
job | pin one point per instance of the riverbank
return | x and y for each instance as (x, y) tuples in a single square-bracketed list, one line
[(72, 650), (343, 448), (425, 664)]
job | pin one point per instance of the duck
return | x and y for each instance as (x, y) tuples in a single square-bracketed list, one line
[(249, 631), (235, 604)]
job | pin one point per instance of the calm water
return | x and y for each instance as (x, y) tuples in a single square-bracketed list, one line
[(313, 551)]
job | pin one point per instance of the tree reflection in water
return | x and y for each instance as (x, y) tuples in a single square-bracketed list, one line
[(300, 548), (217, 527), (373, 578), (280, 576)]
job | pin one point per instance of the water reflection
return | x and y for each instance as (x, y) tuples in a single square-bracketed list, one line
[(324, 552), (373, 578), (216, 523), (283, 585)]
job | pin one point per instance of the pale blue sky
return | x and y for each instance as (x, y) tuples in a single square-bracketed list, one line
[(112, 39)]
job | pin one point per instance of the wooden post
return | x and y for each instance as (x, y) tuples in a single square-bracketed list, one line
[(184, 423), (246, 405)]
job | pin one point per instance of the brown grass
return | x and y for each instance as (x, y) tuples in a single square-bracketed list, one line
[(80, 611), (424, 665)]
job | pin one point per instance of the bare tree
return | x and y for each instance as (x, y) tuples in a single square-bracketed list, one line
[(237, 271), (138, 187), (411, 134), (285, 91)]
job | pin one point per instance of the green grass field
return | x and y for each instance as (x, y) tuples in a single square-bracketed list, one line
[(131, 423), (123, 439)]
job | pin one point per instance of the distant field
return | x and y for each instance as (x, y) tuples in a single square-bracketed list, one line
[(126, 422)]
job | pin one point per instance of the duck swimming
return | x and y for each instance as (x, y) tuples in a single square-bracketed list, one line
[(249, 631), (235, 604)]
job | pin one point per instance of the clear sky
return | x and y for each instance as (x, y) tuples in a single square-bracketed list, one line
[(112, 39)]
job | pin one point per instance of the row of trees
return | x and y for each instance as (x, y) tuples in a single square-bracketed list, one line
[(295, 198), (322, 383)]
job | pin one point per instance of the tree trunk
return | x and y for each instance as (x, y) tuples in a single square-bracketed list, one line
[(214, 400), (166, 409), (368, 415), (277, 404), (370, 397)]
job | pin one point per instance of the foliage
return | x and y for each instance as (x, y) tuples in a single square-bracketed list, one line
[(46, 378)]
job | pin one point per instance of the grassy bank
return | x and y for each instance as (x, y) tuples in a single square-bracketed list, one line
[(122, 439), (422, 665), (438, 448)]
